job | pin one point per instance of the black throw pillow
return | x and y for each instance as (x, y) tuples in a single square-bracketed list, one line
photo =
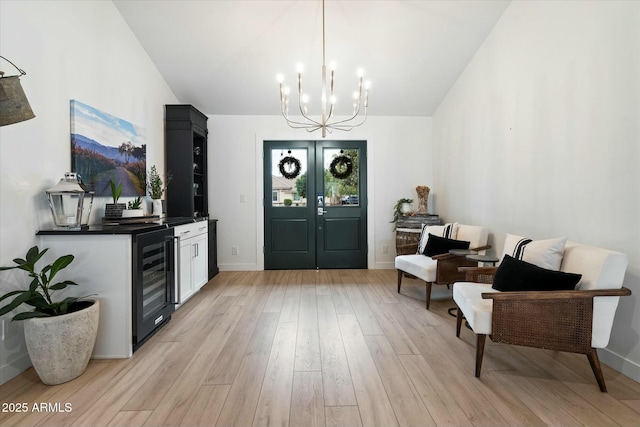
[(516, 275), (437, 245)]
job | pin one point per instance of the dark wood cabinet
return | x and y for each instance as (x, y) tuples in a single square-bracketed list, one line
[(186, 161)]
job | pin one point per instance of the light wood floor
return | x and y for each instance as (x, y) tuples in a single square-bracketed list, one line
[(325, 348)]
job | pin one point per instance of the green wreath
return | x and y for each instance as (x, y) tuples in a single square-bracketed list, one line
[(289, 160), (344, 163)]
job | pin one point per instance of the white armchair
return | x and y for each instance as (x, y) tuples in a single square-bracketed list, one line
[(577, 321), (441, 269)]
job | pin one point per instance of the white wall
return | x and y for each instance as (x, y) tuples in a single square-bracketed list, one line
[(70, 50), (398, 150), (540, 137)]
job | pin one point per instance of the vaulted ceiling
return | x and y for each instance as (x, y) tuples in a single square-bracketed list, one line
[(223, 56)]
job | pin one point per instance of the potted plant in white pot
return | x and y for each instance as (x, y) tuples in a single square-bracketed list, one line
[(134, 209), (156, 190), (401, 208), (60, 335)]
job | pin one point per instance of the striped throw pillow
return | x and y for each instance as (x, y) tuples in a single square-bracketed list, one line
[(448, 231)]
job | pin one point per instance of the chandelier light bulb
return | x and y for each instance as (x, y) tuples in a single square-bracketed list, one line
[(280, 78), (327, 121), (367, 84)]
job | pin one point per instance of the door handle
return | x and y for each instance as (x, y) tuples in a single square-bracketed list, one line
[(321, 211), (178, 291)]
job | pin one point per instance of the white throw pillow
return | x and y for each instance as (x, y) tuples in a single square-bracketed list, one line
[(449, 231), (543, 253)]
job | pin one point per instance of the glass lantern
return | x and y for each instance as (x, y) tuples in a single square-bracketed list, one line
[(67, 200)]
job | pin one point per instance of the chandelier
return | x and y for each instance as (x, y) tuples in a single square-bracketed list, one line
[(327, 122)]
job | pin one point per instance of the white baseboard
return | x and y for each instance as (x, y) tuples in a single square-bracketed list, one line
[(254, 267), (390, 265), (14, 368), (625, 366), (237, 267)]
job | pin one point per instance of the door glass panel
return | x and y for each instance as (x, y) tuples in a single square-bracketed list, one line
[(341, 183), (289, 189)]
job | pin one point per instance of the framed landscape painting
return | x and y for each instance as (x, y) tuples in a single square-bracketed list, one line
[(104, 147)]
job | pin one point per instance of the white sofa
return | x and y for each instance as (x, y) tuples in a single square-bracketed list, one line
[(442, 269), (549, 319)]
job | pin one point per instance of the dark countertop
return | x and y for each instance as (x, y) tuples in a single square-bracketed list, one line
[(132, 229)]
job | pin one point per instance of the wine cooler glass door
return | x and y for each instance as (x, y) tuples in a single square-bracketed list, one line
[(153, 303)]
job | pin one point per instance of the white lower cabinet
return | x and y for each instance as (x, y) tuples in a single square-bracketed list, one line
[(103, 267), (194, 257), (184, 286)]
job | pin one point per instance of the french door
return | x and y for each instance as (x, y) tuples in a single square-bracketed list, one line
[(315, 204)]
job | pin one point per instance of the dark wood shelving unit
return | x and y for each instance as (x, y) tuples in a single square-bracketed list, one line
[(186, 139), (186, 159)]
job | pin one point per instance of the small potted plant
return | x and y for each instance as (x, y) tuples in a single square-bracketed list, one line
[(400, 209), (157, 189), (134, 208), (114, 210), (60, 335)]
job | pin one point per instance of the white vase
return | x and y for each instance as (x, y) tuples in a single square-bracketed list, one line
[(60, 346), (157, 208)]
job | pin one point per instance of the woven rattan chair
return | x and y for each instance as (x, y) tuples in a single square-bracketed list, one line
[(439, 269), (576, 321)]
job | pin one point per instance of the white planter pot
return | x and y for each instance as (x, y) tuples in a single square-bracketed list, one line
[(132, 213), (157, 207), (60, 346)]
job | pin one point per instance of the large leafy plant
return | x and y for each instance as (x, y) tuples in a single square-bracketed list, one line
[(41, 289), (116, 190)]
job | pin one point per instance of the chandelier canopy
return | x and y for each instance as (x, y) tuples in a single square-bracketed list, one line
[(327, 122)]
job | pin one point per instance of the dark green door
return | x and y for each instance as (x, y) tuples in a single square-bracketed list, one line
[(289, 221), (316, 218)]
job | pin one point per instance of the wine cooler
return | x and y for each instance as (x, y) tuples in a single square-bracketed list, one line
[(154, 264)]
